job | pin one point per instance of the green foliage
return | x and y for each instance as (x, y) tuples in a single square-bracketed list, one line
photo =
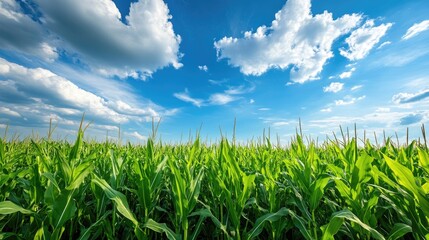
[(337, 190)]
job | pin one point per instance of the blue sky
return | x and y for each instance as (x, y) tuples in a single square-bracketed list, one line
[(202, 64)]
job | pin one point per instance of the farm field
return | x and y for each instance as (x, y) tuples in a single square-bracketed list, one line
[(336, 190)]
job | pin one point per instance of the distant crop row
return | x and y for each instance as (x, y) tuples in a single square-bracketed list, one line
[(88, 190)]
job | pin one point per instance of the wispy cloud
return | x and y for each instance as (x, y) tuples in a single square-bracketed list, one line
[(264, 109), (416, 29), (410, 97), (217, 82), (231, 94), (384, 44), (326, 109), (363, 39), (334, 87), (220, 99), (280, 123), (9, 112), (184, 96), (356, 87), (348, 100), (295, 38), (382, 110)]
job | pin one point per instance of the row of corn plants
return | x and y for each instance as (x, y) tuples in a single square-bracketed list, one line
[(335, 190)]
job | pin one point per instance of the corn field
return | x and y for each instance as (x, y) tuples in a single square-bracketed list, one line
[(335, 190)]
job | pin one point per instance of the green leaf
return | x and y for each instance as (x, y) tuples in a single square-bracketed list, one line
[(423, 160), (8, 207), (42, 233), (85, 234), (64, 209), (337, 220), (399, 230), (79, 175), (119, 199), (205, 212), (51, 178), (162, 227), (75, 151), (269, 217), (301, 224), (406, 179), (317, 190), (362, 170)]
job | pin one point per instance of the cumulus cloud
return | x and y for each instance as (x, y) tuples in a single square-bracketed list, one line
[(348, 100), (137, 136), (18, 32), (334, 87), (347, 74), (410, 97), (40, 93), (416, 29), (295, 38), (203, 68), (363, 39), (94, 32)]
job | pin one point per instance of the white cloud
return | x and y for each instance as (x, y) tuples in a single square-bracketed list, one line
[(363, 39), (416, 29), (295, 38), (203, 68), (384, 44), (217, 82), (8, 111), (326, 109), (356, 87), (229, 95), (280, 123), (20, 33), (36, 93), (348, 100), (401, 98), (264, 109), (347, 74), (251, 101), (137, 136), (334, 87), (184, 96), (382, 110), (238, 90), (92, 31), (220, 99)]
